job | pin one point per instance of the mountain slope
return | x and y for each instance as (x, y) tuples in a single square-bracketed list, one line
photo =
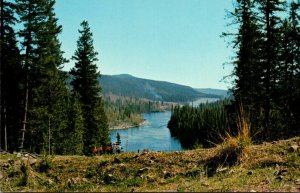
[(222, 93), (127, 85)]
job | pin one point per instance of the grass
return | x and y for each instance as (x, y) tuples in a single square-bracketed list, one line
[(167, 171)]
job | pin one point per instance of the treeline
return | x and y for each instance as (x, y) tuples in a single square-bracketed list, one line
[(39, 113), (122, 110), (266, 71), (200, 126)]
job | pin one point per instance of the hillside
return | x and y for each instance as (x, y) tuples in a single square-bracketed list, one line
[(220, 92), (267, 167), (127, 85)]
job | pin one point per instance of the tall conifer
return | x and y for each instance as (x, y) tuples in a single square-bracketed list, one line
[(86, 84)]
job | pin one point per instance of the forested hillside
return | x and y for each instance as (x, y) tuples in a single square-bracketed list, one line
[(130, 86)]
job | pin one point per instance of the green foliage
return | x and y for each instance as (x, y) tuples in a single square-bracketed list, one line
[(266, 66), (23, 181), (11, 78), (75, 129), (202, 125), (118, 139), (85, 83), (44, 83), (45, 165)]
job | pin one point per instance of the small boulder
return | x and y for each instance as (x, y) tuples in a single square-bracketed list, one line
[(50, 182), (117, 160), (249, 172), (294, 148), (142, 170), (167, 174), (11, 161), (1, 176)]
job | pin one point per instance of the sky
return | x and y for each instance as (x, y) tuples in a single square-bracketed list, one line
[(169, 40)]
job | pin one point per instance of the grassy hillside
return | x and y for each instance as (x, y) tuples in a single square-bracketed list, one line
[(266, 167), (127, 85)]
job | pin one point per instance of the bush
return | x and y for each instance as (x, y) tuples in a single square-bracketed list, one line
[(45, 165)]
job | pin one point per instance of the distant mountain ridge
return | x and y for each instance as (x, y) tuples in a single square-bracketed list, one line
[(128, 85), (220, 92)]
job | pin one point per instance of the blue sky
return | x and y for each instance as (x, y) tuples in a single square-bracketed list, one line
[(171, 40)]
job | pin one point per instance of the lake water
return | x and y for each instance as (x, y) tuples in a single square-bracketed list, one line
[(154, 135)]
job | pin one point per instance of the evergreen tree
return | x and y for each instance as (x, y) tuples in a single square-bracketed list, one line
[(74, 143), (247, 68), (269, 54), (45, 91), (118, 139), (85, 83), (11, 78)]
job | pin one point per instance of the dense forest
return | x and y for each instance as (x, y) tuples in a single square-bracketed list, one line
[(39, 113), (266, 78)]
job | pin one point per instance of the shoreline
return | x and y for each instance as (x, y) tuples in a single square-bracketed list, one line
[(128, 126)]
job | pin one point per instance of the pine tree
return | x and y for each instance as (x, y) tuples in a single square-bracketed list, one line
[(45, 91), (11, 78), (118, 139), (269, 53), (85, 83), (74, 144)]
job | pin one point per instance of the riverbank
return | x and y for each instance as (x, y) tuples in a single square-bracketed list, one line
[(266, 167), (128, 125)]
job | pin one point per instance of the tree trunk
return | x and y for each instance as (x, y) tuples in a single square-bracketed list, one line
[(23, 130)]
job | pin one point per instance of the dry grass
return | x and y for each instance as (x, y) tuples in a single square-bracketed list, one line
[(160, 171)]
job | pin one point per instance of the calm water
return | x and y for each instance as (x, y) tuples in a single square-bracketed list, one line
[(154, 135)]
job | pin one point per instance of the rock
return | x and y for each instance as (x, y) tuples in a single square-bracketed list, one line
[(11, 161), (57, 178), (5, 166), (252, 190), (150, 178), (1, 176), (280, 177), (26, 155), (109, 178), (142, 170), (151, 161), (205, 183), (297, 182), (136, 156), (84, 180), (249, 173), (219, 170), (32, 161), (50, 182), (294, 148), (116, 160), (167, 174), (19, 155)]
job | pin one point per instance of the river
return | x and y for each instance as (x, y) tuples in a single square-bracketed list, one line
[(154, 135)]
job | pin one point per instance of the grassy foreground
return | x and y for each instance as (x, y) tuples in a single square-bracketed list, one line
[(266, 167)]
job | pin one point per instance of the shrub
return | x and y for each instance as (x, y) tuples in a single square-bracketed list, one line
[(45, 164)]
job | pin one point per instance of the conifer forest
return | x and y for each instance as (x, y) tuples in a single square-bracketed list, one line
[(50, 111)]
